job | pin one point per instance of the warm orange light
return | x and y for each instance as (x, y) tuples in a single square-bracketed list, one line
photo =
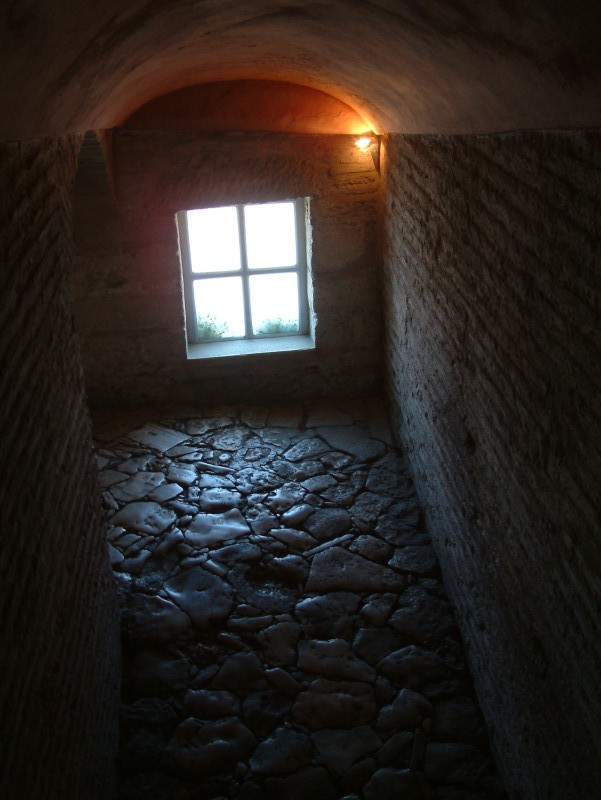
[(365, 142)]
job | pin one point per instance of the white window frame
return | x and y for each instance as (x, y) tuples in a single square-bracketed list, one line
[(300, 269)]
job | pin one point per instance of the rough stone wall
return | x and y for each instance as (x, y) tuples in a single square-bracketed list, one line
[(492, 305), (59, 649), (127, 285)]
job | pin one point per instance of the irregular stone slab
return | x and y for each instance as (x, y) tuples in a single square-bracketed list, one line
[(134, 563), (335, 460), (399, 525), (377, 608), (329, 616), (289, 569), (371, 548), (390, 476), (374, 644), (240, 671), (296, 540), (407, 712), (219, 499), (208, 480), (166, 492), (208, 704), (354, 441), (140, 485), (265, 710), (183, 474), (285, 497), (357, 775), (145, 517), (109, 477), (153, 619), (319, 483), (115, 556), (263, 522), (283, 681), (256, 453), (422, 617), (249, 624), (305, 449), (340, 749), (328, 523), (396, 751), (296, 515), (335, 704), (136, 463), (420, 559), (231, 439), (333, 658), (257, 480), (369, 505), (204, 748), (283, 752), (234, 553), (311, 782), (346, 489), (278, 643), (339, 540), (158, 437), (336, 568), (204, 597), (388, 783), (181, 450), (413, 667), (208, 529), (267, 597)]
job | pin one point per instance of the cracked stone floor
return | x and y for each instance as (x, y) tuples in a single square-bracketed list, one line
[(285, 630)]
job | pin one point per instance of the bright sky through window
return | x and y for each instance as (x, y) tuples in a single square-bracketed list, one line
[(246, 274)]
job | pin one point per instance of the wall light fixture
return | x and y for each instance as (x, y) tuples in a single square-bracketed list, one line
[(370, 143)]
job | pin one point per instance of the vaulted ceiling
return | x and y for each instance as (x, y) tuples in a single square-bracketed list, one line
[(404, 65)]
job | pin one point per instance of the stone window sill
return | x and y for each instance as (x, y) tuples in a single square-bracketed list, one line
[(247, 347)]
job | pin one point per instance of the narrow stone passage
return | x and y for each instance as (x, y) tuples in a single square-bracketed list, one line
[(285, 630)]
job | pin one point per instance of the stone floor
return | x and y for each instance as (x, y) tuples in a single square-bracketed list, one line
[(285, 630)]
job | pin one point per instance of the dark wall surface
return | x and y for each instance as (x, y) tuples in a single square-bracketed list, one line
[(59, 648), (492, 302)]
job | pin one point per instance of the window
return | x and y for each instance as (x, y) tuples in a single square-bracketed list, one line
[(245, 271)]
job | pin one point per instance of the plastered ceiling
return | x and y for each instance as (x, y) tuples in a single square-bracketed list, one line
[(403, 65)]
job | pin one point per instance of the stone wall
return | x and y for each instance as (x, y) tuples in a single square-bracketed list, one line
[(129, 306), (492, 305), (59, 649)]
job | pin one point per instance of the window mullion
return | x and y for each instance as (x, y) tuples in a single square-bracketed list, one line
[(245, 281)]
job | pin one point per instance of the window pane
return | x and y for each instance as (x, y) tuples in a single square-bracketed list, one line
[(213, 237), (274, 303), (270, 235), (219, 308)]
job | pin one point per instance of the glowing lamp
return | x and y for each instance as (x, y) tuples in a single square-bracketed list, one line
[(370, 143), (365, 142)]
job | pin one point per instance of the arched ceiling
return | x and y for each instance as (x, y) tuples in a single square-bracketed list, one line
[(404, 65), (248, 106)]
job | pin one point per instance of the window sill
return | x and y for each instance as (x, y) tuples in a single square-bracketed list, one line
[(247, 347)]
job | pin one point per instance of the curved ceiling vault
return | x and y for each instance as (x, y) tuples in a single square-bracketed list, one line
[(404, 65)]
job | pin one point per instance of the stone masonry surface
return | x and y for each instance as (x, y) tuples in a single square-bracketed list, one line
[(59, 638), (286, 633), (493, 299)]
